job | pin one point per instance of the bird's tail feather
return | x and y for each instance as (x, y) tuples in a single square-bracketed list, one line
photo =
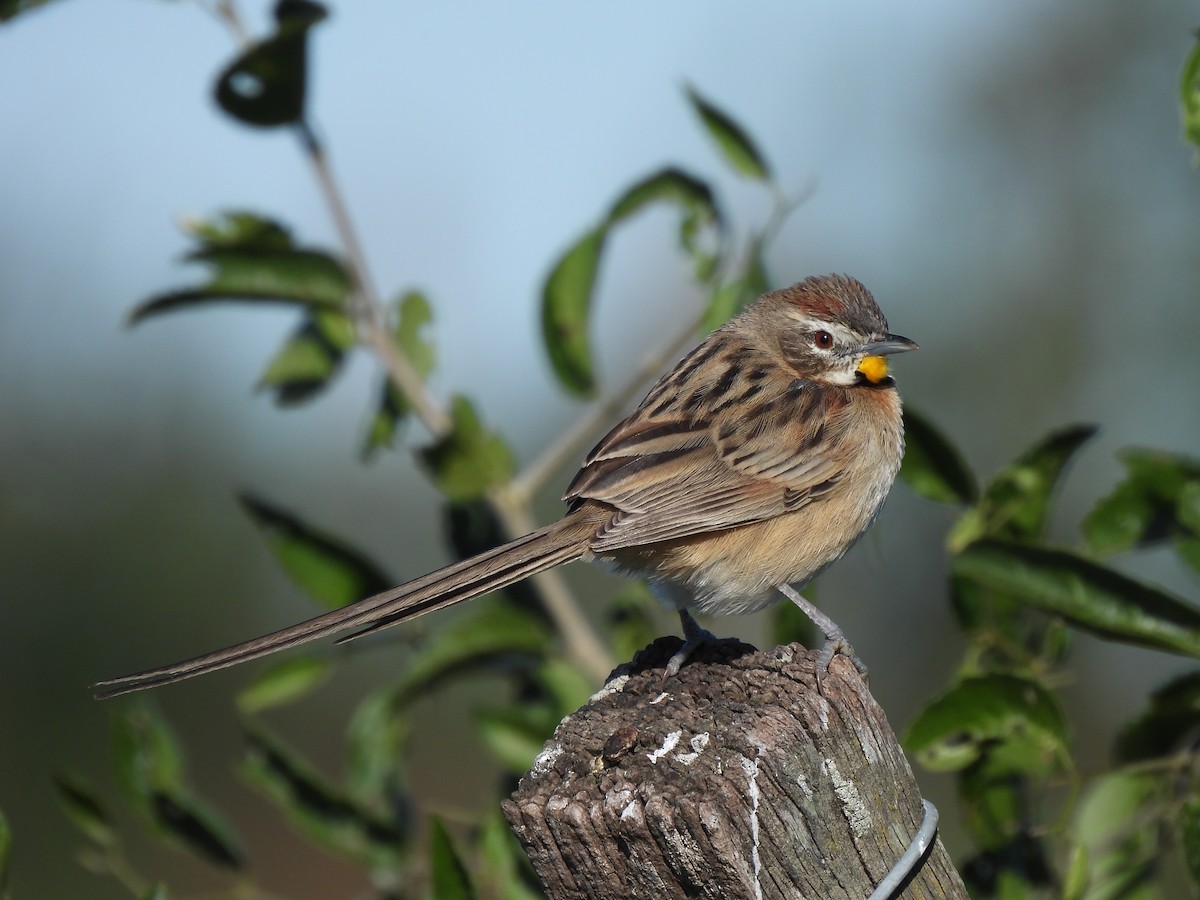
[(490, 571)]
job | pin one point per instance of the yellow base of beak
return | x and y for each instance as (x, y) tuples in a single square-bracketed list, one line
[(874, 368)]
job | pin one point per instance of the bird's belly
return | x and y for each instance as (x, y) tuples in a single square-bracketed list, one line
[(737, 570)]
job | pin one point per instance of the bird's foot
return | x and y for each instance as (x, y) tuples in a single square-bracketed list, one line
[(837, 645), (835, 638), (694, 637)]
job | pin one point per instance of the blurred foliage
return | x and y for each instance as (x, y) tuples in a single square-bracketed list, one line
[(1041, 827)]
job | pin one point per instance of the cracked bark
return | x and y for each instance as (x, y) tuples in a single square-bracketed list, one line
[(737, 778)]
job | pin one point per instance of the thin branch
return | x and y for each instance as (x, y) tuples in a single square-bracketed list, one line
[(581, 641), (368, 308)]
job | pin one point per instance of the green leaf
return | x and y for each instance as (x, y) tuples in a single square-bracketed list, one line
[(283, 683), (253, 259), (10, 9), (324, 567), (319, 810), (266, 85), (1084, 593), (739, 150), (240, 229), (669, 185), (566, 299), (1075, 881), (413, 316), (150, 769), (733, 296), (5, 854), (932, 466), (83, 808), (450, 878), (566, 684), (378, 739), (517, 734), (158, 892), (1016, 503), (146, 754), (470, 459), (1153, 503), (1189, 838), (195, 826), (1172, 716), (503, 860), (1015, 720), (995, 809), (310, 358), (1112, 824), (1189, 96), (480, 636)]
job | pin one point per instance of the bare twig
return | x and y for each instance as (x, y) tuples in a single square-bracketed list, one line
[(512, 510)]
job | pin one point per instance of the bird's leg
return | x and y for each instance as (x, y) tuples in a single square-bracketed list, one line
[(835, 638), (694, 637)]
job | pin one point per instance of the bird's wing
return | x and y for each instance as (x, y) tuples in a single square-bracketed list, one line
[(672, 476)]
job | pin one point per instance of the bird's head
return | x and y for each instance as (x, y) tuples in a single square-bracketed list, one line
[(830, 329)]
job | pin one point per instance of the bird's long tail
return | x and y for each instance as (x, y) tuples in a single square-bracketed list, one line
[(562, 542)]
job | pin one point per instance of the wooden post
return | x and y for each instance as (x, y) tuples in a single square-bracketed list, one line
[(737, 778)]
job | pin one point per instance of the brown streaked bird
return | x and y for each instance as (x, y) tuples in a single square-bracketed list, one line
[(751, 466)]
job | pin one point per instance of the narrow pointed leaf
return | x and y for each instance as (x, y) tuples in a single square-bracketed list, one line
[(310, 359), (672, 186), (566, 300), (5, 853), (327, 569), (1076, 880), (450, 878), (413, 316), (1084, 593), (979, 714), (150, 769), (733, 296), (9, 9), (266, 85), (486, 633), (193, 825), (932, 466), (470, 459), (502, 859), (1123, 854), (1189, 96), (1189, 839), (83, 808), (731, 138), (254, 259), (1149, 505), (146, 754), (516, 734), (378, 741), (1016, 503), (1171, 718), (319, 809), (283, 683)]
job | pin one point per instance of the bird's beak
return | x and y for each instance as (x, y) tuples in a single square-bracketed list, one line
[(894, 344), (874, 367)]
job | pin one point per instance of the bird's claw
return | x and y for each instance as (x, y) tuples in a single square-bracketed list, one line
[(836, 644)]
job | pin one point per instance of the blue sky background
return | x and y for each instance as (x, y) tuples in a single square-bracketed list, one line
[(1008, 178)]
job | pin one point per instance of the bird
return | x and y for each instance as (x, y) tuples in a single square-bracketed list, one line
[(753, 464)]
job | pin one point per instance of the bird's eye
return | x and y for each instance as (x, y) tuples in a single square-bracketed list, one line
[(822, 339)]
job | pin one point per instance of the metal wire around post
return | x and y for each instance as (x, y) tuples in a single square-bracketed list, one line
[(911, 857)]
